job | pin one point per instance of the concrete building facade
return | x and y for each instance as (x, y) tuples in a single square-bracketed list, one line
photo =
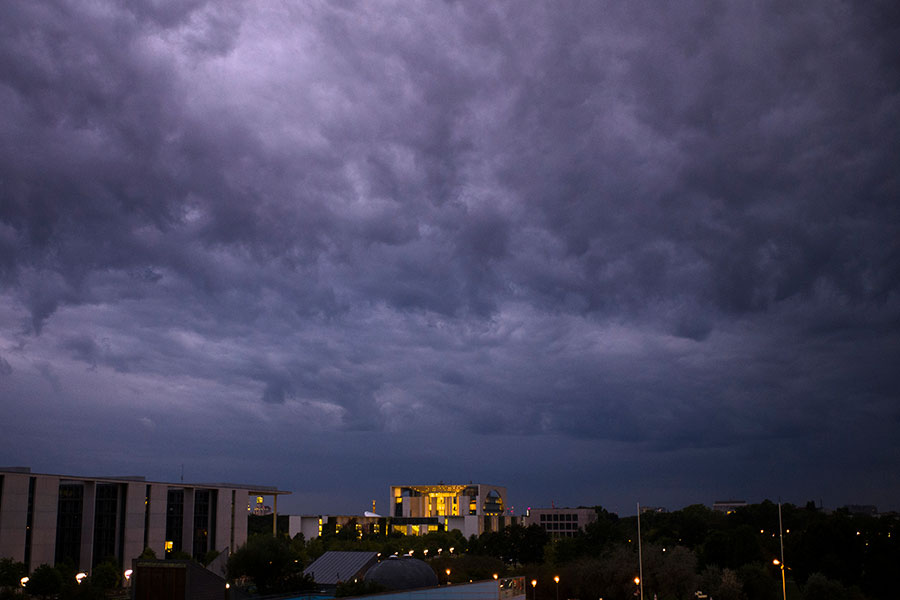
[(51, 519), (561, 522)]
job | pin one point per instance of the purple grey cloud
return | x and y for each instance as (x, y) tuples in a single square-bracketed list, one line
[(465, 241)]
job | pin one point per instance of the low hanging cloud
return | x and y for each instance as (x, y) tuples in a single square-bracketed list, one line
[(608, 223)]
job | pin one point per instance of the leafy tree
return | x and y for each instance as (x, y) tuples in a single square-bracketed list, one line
[(106, 576), (268, 561), (148, 554), (11, 572), (819, 587), (759, 582), (44, 581)]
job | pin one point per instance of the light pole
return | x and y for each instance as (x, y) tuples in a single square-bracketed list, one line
[(778, 563), (637, 580), (556, 579), (533, 589), (448, 576)]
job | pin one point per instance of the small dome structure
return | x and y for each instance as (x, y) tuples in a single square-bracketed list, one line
[(404, 573)]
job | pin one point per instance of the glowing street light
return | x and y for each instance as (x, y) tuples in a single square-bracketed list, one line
[(23, 581), (495, 576), (448, 576), (780, 564), (80, 576), (533, 589), (556, 579)]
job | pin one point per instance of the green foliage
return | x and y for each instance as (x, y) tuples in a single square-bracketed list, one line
[(514, 544), (106, 576), (209, 557), (148, 554), (269, 562), (819, 587), (11, 572), (467, 566), (44, 581), (262, 525)]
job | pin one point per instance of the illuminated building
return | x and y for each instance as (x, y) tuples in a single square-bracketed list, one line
[(470, 508), (55, 518)]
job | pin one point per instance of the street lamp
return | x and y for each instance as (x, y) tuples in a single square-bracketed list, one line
[(637, 582), (448, 576), (780, 564), (533, 590), (556, 579)]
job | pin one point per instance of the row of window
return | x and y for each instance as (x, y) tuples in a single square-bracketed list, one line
[(559, 517), (560, 526)]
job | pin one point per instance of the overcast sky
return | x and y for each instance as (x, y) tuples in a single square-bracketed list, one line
[(597, 252)]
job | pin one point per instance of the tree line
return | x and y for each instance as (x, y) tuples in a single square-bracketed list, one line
[(827, 555)]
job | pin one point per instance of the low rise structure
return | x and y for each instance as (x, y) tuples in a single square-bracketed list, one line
[(561, 522)]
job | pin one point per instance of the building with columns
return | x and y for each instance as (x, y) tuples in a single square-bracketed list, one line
[(51, 519), (470, 508)]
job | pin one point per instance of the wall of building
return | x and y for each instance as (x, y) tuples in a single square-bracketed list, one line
[(561, 522), (132, 516), (13, 512)]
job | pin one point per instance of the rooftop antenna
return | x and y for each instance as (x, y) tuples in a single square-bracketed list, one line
[(182, 472)]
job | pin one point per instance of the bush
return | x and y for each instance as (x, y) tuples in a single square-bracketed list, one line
[(44, 581), (106, 576), (11, 572)]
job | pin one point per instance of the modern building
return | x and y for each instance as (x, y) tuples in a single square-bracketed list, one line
[(312, 526), (470, 508), (561, 522), (51, 519)]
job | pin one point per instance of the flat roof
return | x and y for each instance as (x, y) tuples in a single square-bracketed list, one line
[(261, 490)]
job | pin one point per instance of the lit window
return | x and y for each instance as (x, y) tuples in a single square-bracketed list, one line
[(169, 546)]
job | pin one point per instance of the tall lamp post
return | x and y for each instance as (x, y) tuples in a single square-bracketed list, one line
[(639, 580), (534, 589), (778, 563), (781, 563), (556, 579)]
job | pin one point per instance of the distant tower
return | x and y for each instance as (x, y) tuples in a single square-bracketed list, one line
[(373, 506)]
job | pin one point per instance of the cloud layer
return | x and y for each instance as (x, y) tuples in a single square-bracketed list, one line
[(412, 234)]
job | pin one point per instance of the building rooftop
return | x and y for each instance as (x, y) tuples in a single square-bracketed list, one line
[(334, 566)]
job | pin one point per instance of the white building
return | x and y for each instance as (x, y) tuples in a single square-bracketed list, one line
[(50, 519)]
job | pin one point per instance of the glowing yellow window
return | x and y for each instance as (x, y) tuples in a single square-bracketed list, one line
[(169, 546)]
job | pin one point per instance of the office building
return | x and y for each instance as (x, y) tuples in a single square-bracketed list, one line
[(561, 522), (470, 508), (52, 519)]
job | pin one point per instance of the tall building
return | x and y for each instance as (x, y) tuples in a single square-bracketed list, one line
[(51, 519), (470, 508)]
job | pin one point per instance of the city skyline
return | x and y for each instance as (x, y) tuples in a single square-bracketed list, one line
[(595, 253)]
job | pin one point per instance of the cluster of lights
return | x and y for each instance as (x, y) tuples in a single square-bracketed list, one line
[(81, 577)]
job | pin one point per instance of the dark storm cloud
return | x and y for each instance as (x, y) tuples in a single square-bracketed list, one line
[(673, 229)]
